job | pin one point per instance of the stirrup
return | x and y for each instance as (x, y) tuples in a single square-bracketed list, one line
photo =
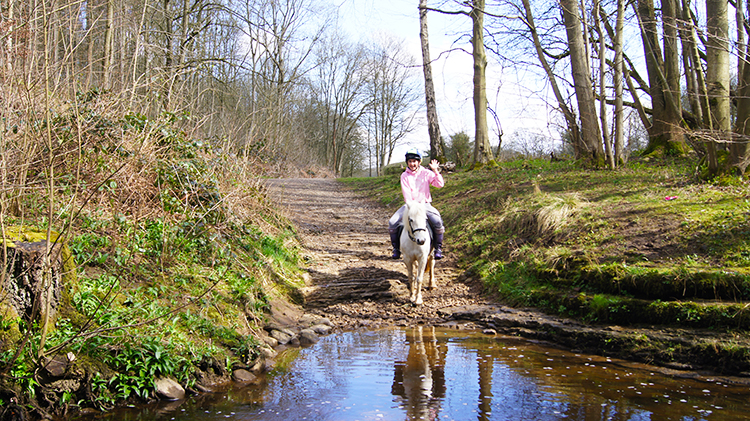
[(438, 253)]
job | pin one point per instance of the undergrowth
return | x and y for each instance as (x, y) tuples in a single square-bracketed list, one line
[(177, 249)]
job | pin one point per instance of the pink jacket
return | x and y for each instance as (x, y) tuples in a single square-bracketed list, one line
[(415, 185)]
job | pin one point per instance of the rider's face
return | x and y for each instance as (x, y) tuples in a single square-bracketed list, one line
[(413, 164)]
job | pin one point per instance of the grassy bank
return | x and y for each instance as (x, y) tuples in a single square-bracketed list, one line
[(648, 244)]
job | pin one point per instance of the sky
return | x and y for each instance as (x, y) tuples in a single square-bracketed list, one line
[(509, 94)]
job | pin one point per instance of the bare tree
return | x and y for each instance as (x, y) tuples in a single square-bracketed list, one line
[(602, 53), (740, 147), (717, 74), (108, 35), (666, 128), (392, 97), (281, 42), (691, 63), (739, 16), (530, 144), (337, 92), (482, 147), (618, 77), (590, 131), (433, 126), (571, 119)]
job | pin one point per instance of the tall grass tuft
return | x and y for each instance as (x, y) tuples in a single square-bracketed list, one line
[(541, 216)]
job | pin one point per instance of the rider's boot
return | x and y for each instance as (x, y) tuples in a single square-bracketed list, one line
[(396, 243), (438, 246)]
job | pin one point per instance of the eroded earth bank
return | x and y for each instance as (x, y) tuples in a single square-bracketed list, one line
[(354, 283)]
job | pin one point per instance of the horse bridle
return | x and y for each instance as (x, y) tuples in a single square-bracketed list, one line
[(411, 232)]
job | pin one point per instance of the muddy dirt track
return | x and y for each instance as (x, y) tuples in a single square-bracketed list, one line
[(353, 282)]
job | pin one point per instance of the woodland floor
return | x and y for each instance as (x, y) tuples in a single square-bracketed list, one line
[(353, 282)]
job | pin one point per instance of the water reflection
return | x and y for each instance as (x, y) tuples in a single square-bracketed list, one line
[(419, 381), (425, 373)]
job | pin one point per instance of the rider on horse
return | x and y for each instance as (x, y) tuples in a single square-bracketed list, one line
[(415, 186)]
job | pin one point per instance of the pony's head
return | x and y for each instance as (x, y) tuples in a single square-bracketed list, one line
[(415, 222)]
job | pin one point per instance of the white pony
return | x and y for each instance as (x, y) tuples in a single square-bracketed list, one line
[(416, 248)]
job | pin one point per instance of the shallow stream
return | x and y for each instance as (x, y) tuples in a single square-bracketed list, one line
[(426, 373)]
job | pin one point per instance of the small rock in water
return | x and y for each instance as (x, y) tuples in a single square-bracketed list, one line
[(282, 337), (489, 332), (321, 329), (244, 376), (307, 337)]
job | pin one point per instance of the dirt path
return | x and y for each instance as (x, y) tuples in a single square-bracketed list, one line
[(353, 281)]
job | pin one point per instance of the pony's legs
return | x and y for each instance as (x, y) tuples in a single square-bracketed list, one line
[(418, 281), (431, 269), (410, 277)]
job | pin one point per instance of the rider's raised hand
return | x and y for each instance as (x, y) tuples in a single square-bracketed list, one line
[(435, 165)]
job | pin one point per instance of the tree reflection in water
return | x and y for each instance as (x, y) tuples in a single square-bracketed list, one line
[(419, 382)]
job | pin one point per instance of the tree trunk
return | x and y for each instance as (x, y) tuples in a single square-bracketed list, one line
[(717, 75), (619, 109), (740, 147), (590, 131), (134, 75), (739, 150), (482, 147), (570, 117), (35, 271), (167, 22), (602, 53), (433, 127), (696, 60), (691, 64), (665, 134), (91, 14), (108, 29), (739, 15), (10, 41), (672, 68)]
